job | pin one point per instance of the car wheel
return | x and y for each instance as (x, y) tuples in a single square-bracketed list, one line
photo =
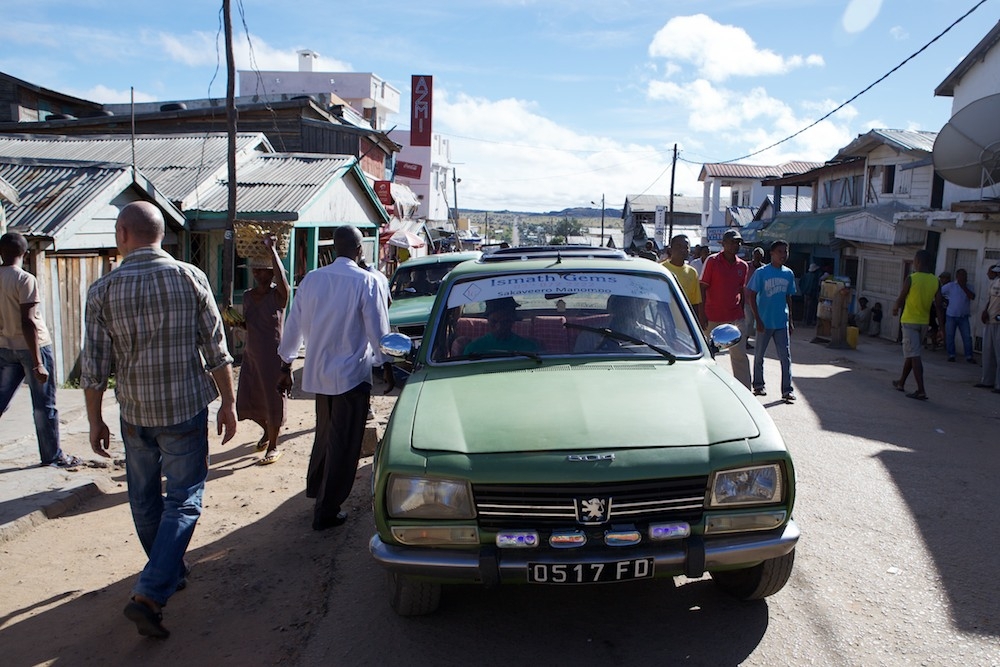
[(412, 598), (759, 581)]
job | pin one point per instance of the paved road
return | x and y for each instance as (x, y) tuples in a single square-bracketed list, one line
[(896, 565)]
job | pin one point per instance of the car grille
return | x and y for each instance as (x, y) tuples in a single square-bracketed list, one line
[(412, 330), (551, 505)]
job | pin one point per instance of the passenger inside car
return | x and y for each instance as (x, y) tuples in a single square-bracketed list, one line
[(500, 315)]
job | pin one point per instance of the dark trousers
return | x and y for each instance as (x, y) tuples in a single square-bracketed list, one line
[(333, 464)]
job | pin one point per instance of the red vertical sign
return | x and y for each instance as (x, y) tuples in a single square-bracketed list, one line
[(383, 190), (420, 109)]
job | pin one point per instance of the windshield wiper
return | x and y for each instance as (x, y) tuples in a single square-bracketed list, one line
[(500, 354), (623, 338)]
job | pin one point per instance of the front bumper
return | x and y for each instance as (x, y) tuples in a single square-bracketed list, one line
[(692, 557)]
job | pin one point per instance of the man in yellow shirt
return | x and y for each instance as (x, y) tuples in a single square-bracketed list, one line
[(921, 290), (686, 275)]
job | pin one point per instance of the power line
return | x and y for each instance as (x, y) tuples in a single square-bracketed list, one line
[(869, 87)]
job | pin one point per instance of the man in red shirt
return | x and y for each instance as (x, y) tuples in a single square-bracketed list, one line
[(724, 279)]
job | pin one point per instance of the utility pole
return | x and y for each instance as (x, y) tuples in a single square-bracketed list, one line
[(602, 219), (454, 184), (673, 169), (486, 228), (228, 249)]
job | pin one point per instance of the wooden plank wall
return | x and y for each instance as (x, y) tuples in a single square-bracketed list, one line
[(66, 290)]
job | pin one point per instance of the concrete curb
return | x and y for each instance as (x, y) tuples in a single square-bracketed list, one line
[(74, 497)]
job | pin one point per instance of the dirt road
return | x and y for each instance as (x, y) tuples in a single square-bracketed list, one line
[(259, 576)]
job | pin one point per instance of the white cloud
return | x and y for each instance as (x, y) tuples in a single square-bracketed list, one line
[(859, 14), (200, 49), (104, 95), (898, 33), (719, 51), (535, 163)]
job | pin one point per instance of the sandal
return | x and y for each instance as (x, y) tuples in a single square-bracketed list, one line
[(269, 458), (261, 444), (919, 395), (898, 385)]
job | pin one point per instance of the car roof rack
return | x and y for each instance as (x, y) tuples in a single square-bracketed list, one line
[(553, 252)]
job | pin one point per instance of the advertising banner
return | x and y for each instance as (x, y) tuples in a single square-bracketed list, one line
[(420, 109), (408, 170), (383, 190)]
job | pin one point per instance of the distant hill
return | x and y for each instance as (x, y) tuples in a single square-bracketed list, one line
[(509, 216)]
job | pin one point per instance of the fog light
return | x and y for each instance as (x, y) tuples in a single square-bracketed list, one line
[(659, 532), (436, 535), (732, 523), (517, 539), (568, 539), (622, 538)]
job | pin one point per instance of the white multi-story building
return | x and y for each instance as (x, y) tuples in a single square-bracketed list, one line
[(731, 184), (370, 95), (428, 172)]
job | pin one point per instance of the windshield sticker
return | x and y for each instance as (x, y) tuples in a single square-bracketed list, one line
[(534, 284)]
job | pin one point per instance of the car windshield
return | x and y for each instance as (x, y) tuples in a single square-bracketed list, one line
[(424, 280), (557, 313)]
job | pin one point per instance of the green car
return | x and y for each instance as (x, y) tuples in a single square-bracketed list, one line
[(566, 424), (414, 286)]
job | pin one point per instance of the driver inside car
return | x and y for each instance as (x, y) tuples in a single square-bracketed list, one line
[(627, 315), (501, 315)]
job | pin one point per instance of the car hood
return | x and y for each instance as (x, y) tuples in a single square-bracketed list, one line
[(410, 311), (581, 407)]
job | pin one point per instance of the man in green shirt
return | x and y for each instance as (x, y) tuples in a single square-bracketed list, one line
[(501, 315), (921, 290)]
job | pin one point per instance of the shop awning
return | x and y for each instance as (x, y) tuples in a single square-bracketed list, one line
[(812, 229)]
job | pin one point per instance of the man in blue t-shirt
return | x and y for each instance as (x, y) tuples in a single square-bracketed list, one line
[(771, 288)]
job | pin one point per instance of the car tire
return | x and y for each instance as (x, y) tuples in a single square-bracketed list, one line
[(412, 598), (759, 581)]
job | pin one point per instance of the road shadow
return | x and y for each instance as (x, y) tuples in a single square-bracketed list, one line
[(942, 456), (635, 623), (251, 599)]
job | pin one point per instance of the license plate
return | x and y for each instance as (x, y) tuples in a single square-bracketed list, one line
[(590, 573)]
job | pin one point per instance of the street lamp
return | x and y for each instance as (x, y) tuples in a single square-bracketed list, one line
[(602, 219)]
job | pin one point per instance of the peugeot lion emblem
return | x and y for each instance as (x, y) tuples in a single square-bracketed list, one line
[(593, 510)]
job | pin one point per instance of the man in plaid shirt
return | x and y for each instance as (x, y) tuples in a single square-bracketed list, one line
[(155, 321)]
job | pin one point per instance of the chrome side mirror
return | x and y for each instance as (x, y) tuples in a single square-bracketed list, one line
[(724, 337), (396, 345)]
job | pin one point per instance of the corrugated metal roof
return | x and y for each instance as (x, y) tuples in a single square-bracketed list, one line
[(903, 140), (276, 183), (174, 163), (753, 171), (52, 192), (742, 214)]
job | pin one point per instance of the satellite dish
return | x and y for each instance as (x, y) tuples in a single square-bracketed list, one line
[(967, 149)]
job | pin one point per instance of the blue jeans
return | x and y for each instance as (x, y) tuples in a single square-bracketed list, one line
[(962, 324), (780, 337), (15, 366), (165, 521)]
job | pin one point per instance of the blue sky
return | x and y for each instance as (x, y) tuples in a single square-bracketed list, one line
[(548, 103)]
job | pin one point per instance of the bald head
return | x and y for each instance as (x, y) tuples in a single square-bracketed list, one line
[(139, 224), (347, 242)]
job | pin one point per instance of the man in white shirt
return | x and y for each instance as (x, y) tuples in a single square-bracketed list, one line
[(700, 255), (340, 313)]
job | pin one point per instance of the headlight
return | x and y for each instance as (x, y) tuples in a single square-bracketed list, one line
[(428, 498), (754, 485)]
